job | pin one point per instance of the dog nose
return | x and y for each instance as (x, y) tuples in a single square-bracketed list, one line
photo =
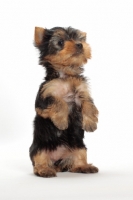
[(79, 45)]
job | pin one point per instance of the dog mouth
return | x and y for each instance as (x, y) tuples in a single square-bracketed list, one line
[(78, 53), (76, 59)]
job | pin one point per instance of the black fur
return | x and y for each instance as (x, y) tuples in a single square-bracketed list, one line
[(46, 135), (48, 45)]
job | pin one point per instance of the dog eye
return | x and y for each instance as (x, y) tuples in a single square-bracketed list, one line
[(61, 43)]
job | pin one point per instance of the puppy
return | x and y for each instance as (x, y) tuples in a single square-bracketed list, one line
[(64, 107)]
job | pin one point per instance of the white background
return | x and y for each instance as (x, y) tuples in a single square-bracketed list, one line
[(109, 27)]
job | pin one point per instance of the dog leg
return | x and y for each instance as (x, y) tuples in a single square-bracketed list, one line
[(88, 109), (79, 163), (89, 113), (43, 165)]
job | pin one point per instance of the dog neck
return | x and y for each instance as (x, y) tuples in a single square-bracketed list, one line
[(56, 71)]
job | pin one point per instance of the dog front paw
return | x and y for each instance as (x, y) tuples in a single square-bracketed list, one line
[(60, 122), (90, 118), (89, 124)]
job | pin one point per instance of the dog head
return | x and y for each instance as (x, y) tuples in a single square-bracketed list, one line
[(63, 48)]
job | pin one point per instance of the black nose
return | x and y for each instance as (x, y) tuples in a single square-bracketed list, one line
[(79, 45)]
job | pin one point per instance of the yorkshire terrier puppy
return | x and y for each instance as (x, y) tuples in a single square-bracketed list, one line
[(64, 107)]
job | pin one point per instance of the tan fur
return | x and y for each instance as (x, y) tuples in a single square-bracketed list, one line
[(63, 87), (57, 112), (65, 91), (79, 157), (67, 57), (89, 113), (73, 160), (38, 35), (56, 87), (42, 165)]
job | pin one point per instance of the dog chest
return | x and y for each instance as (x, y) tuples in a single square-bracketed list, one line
[(70, 90)]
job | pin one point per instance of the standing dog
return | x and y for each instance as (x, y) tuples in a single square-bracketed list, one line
[(64, 107)]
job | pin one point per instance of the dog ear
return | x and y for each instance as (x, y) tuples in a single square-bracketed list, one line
[(83, 35), (38, 35)]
